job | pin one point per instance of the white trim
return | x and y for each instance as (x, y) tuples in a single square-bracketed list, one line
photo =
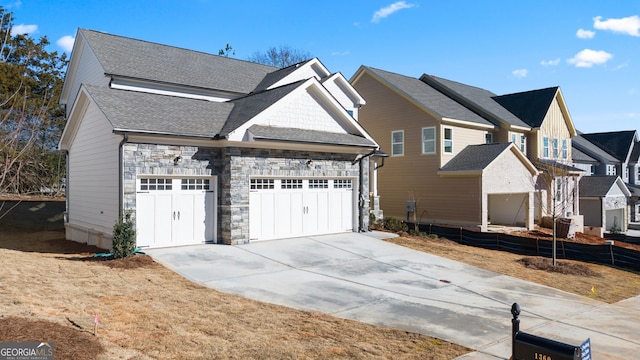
[(393, 142), (145, 88), (435, 140), (444, 139)]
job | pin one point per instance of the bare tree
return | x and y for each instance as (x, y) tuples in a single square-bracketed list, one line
[(281, 57), (556, 191), (31, 119)]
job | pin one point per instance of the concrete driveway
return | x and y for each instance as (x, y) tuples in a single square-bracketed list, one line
[(360, 277)]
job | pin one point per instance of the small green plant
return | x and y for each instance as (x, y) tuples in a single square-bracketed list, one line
[(395, 225), (433, 236), (124, 237), (615, 229)]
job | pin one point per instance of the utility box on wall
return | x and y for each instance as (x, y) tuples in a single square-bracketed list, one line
[(411, 206)]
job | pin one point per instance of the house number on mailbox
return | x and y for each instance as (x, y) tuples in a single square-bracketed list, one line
[(538, 356)]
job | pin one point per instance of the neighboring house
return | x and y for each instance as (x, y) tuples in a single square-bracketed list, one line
[(616, 153), (208, 149), (603, 200), (433, 130)]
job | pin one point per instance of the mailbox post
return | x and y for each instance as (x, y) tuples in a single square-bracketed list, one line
[(531, 347)]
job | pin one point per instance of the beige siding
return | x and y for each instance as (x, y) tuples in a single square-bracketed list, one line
[(414, 176), (89, 72), (462, 137), (93, 174), (554, 126)]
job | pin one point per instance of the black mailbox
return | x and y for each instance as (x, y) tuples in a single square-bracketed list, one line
[(531, 347)]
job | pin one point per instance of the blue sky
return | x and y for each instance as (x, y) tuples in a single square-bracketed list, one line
[(591, 49)]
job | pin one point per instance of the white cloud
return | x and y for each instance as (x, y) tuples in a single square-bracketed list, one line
[(520, 73), (588, 58), (388, 10), (629, 25), (553, 62), (66, 42), (585, 34), (23, 29)]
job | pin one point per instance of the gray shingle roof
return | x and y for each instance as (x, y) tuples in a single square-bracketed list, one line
[(596, 185), (579, 156), (551, 164), (587, 147), (275, 76), (616, 143), (251, 105), (140, 59), (429, 97), (307, 136), (475, 157), (477, 99), (160, 114), (529, 106)]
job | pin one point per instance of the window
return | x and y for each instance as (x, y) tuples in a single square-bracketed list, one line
[(558, 190), (397, 143), (626, 174), (194, 184), (637, 174), (318, 184), (513, 138), (565, 151), (291, 184), (545, 147), (611, 169), (429, 140), (342, 184), (261, 184), (155, 184), (523, 143), (555, 148), (448, 140), (488, 138)]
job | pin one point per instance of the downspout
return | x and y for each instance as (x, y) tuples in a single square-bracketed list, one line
[(125, 138), (66, 186), (361, 194)]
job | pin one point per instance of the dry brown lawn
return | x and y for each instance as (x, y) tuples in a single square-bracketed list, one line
[(601, 282), (51, 289)]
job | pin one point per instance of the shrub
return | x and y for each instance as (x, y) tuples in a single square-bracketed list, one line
[(124, 237), (395, 225)]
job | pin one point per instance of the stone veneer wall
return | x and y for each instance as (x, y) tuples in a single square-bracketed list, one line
[(234, 167)]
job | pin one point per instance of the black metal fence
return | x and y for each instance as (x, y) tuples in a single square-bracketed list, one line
[(600, 254)]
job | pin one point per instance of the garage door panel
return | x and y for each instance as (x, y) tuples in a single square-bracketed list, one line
[(175, 211), (292, 207)]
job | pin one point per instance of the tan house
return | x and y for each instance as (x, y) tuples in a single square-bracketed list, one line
[(462, 155)]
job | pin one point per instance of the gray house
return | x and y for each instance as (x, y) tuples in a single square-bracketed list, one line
[(603, 201), (208, 149)]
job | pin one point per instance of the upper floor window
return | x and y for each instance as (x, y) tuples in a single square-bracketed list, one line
[(545, 147), (448, 140), (555, 148), (611, 169), (429, 140), (626, 174), (488, 138), (397, 143), (523, 143), (565, 151), (514, 137), (637, 174)]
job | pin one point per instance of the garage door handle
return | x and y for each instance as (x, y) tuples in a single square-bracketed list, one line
[(174, 215), (178, 215)]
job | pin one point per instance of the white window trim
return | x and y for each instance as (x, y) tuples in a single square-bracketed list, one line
[(444, 140), (431, 141), (545, 147), (393, 153), (488, 138)]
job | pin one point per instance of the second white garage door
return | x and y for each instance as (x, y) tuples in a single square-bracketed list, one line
[(281, 208)]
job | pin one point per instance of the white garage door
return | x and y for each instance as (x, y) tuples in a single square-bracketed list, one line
[(175, 211), (281, 208)]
